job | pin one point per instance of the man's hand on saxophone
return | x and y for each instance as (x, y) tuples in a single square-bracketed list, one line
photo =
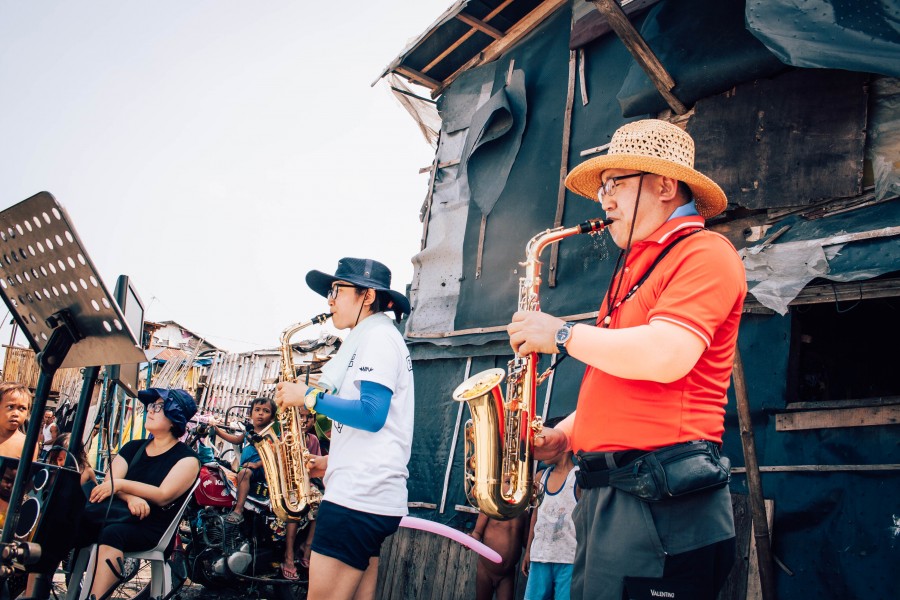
[(533, 331)]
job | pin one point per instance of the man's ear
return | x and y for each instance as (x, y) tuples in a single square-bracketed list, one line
[(668, 188)]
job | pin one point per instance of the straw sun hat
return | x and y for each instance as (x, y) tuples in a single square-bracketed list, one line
[(656, 147)]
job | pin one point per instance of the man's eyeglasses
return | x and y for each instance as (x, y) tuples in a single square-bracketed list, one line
[(335, 288), (155, 407), (608, 187)]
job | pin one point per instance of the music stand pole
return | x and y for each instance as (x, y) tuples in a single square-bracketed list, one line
[(76, 437)]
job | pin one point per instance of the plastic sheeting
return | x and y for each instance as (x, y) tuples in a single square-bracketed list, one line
[(854, 35), (438, 267), (809, 250), (883, 148)]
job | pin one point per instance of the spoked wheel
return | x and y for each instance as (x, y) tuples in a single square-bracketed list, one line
[(135, 584), (289, 590)]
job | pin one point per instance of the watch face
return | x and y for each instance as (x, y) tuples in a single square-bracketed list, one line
[(562, 334)]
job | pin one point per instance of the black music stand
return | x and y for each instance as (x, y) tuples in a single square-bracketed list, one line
[(69, 317)]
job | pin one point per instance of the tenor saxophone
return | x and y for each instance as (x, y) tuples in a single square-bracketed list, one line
[(291, 493), (499, 438)]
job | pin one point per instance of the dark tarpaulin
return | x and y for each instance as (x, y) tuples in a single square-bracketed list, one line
[(767, 144), (705, 54), (854, 35)]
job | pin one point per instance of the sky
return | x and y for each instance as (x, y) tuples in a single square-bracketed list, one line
[(216, 151)]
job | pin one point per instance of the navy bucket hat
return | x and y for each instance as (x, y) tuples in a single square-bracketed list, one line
[(362, 272), (178, 406)]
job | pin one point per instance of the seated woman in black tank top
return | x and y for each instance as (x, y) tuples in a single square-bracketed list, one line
[(153, 491)]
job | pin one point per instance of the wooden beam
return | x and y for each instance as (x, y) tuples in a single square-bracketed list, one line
[(821, 468), (847, 417), (563, 166), (418, 77), (860, 403), (838, 292), (480, 25), (443, 165), (641, 52), (436, 60), (515, 33)]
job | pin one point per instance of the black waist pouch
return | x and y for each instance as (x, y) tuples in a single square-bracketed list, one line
[(673, 471)]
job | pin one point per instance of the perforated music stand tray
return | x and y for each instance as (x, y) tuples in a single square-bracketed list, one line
[(44, 269), (59, 301)]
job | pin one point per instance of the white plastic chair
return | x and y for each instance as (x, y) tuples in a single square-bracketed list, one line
[(160, 571)]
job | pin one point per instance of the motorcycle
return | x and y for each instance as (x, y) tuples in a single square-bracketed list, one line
[(220, 554)]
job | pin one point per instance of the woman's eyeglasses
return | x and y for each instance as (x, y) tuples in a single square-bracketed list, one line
[(155, 407), (336, 287)]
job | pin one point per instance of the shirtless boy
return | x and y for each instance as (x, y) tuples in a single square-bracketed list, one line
[(508, 539), (15, 400)]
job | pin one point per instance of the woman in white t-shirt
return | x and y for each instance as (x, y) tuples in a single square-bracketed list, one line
[(369, 399)]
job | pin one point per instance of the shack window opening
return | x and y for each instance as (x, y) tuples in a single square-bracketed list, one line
[(845, 351)]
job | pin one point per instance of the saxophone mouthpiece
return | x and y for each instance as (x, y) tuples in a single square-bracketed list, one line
[(593, 225)]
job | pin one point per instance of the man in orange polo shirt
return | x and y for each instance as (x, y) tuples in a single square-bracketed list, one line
[(658, 366)]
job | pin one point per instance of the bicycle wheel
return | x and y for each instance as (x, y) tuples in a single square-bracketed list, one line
[(135, 582)]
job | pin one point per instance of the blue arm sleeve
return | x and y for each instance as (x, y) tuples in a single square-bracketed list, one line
[(369, 413)]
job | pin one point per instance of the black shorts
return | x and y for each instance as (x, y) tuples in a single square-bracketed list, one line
[(351, 536)]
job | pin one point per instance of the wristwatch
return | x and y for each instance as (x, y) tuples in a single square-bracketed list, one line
[(563, 335), (312, 396)]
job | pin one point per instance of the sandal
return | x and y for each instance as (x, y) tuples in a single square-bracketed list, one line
[(289, 572), (304, 562), (234, 518)]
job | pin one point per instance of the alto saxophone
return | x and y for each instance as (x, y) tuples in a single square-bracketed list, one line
[(291, 492), (499, 438)]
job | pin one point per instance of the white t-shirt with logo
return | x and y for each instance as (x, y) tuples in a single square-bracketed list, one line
[(367, 470)]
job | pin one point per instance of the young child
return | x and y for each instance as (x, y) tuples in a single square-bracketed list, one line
[(15, 402), (550, 550), (507, 539), (262, 412)]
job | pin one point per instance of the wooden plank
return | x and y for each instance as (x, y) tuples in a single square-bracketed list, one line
[(418, 77), (422, 558), (754, 588), (735, 586), (449, 50), (382, 587), (642, 53), (821, 468), (429, 200), (839, 292), (845, 403), (515, 33), (816, 294), (593, 24), (849, 417), (480, 25), (563, 165), (436, 558)]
